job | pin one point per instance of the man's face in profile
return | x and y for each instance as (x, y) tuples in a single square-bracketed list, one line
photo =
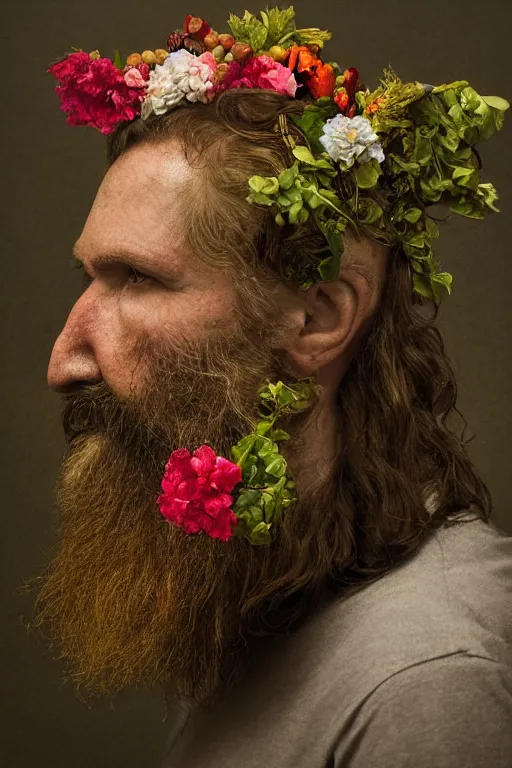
[(155, 355)]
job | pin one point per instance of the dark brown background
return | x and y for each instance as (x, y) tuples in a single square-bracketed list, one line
[(51, 173)]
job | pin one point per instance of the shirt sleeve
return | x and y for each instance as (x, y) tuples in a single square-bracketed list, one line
[(448, 712)]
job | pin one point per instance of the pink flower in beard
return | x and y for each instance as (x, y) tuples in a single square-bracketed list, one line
[(196, 492)]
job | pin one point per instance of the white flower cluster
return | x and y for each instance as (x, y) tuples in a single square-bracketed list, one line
[(182, 75), (351, 138)]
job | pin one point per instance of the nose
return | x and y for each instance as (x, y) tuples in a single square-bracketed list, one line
[(73, 361)]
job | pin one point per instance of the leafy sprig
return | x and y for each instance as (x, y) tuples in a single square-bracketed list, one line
[(276, 27), (428, 135), (268, 486)]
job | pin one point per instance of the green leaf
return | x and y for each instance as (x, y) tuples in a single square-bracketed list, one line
[(488, 194), (263, 427), (238, 28), (303, 216), (465, 177), (279, 434), (304, 155), (271, 186), (370, 210), (278, 22), (260, 534), (443, 278), (117, 60), (288, 176), (261, 199), (257, 183), (327, 269), (422, 286), (467, 208), (277, 467), (496, 102), (367, 175), (413, 214), (257, 34), (293, 195), (294, 211)]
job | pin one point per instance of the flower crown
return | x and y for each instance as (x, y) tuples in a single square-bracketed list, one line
[(372, 160)]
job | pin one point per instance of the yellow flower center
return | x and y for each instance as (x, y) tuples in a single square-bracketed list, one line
[(352, 135)]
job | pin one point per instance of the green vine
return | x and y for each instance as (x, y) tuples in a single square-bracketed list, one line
[(267, 485), (428, 135)]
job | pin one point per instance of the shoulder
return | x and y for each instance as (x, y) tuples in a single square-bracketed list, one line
[(445, 712), (450, 596)]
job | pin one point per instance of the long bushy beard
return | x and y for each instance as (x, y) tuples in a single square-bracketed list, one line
[(128, 597)]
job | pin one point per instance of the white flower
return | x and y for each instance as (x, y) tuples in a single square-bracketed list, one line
[(182, 75), (351, 138)]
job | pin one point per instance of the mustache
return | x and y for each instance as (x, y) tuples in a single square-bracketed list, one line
[(95, 408)]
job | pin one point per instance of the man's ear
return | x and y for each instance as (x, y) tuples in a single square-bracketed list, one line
[(335, 316)]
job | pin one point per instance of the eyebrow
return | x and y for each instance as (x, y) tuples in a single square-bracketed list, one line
[(127, 258)]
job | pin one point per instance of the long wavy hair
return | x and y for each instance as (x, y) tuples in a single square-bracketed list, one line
[(404, 468)]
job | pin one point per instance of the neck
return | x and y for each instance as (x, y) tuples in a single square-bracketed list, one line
[(312, 457)]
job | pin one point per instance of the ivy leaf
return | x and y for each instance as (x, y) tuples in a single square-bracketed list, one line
[(413, 214), (293, 195), (261, 199), (257, 183), (294, 211), (304, 155), (371, 212), (465, 177), (421, 286), (313, 119), (443, 278), (288, 176), (367, 175)]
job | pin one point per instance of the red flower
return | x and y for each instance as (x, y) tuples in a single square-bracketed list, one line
[(341, 99), (322, 82), (196, 27), (351, 76), (319, 77), (196, 492), (94, 92), (345, 96)]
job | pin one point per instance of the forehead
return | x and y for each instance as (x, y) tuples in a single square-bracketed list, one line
[(139, 204)]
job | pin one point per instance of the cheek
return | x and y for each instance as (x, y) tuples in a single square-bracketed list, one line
[(156, 315), (187, 314)]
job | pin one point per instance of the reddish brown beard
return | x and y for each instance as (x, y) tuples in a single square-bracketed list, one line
[(129, 598)]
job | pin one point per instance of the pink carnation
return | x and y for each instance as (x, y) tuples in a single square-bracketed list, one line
[(94, 92), (133, 78), (260, 72), (196, 492)]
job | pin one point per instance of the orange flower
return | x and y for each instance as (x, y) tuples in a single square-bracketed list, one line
[(306, 60), (320, 77), (375, 105), (341, 99), (322, 82)]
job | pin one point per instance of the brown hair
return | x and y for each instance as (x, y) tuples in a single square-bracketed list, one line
[(402, 440)]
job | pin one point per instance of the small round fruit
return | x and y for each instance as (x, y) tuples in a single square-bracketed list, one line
[(218, 53), (148, 57), (227, 41), (134, 59)]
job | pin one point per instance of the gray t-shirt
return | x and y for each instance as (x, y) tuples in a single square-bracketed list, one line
[(414, 670)]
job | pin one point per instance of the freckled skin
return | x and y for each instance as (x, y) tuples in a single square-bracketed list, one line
[(136, 210)]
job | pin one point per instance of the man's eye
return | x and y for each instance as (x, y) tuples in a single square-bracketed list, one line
[(135, 277)]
